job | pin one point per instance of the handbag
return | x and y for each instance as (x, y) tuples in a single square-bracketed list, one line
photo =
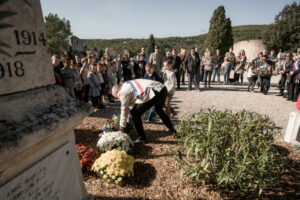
[(208, 68)]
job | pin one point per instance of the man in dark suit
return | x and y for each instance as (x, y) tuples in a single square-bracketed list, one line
[(191, 64), (176, 66)]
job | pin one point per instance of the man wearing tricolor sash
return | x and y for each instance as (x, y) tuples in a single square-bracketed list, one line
[(141, 95), (295, 80)]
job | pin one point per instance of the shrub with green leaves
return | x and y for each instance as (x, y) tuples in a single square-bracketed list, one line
[(228, 150)]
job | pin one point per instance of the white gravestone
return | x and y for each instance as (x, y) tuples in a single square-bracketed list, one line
[(38, 156), (24, 61), (38, 182), (292, 134)]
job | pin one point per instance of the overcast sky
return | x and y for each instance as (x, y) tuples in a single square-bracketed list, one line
[(108, 19)]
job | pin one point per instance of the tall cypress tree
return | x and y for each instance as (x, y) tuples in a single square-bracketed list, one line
[(220, 32), (151, 44)]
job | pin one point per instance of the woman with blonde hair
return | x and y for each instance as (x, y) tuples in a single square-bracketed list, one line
[(240, 66), (95, 86), (208, 62)]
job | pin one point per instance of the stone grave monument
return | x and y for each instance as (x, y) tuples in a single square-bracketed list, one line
[(38, 157)]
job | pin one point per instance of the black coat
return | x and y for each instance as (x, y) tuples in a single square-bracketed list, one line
[(190, 64), (175, 62), (153, 77), (219, 60)]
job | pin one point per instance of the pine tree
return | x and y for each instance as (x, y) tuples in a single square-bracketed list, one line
[(151, 44), (57, 31), (220, 32), (284, 32)]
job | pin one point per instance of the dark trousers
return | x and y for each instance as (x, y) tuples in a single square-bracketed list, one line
[(216, 71), (85, 93), (177, 74), (158, 101), (193, 78), (237, 76), (282, 84), (78, 94), (182, 74), (293, 91), (95, 101), (207, 76), (202, 75), (265, 84)]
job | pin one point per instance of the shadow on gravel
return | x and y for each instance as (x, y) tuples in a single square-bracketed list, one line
[(108, 111), (144, 174)]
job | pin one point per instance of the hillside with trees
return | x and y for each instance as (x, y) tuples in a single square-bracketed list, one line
[(247, 32)]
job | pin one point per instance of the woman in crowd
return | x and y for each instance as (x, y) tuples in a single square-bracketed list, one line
[(240, 66), (102, 84), (84, 72), (208, 63), (68, 77), (95, 86), (126, 68), (112, 79), (78, 81), (119, 69), (265, 73), (229, 62)]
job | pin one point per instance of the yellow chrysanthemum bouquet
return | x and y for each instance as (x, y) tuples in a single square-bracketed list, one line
[(114, 166)]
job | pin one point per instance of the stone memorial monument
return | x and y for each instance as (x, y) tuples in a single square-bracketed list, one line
[(38, 157)]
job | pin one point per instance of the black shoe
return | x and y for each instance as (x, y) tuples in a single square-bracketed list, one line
[(111, 101), (140, 140), (279, 95), (289, 99), (173, 131)]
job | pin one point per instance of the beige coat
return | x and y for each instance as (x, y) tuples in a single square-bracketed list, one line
[(128, 97), (157, 61)]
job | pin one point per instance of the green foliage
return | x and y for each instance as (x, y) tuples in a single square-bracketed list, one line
[(284, 33), (57, 31), (240, 33), (151, 44), (228, 150), (220, 32), (248, 32)]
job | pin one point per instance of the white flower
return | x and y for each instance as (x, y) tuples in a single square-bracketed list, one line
[(115, 140)]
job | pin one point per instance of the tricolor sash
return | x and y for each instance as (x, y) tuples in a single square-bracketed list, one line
[(137, 88)]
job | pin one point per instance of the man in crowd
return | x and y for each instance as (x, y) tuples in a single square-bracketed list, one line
[(273, 59), (141, 94), (191, 64), (146, 56), (285, 74), (176, 66), (217, 69), (57, 71), (156, 59)]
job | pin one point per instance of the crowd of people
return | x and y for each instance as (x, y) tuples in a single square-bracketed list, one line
[(92, 79)]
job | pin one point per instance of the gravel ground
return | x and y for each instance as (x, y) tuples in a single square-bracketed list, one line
[(236, 97)]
